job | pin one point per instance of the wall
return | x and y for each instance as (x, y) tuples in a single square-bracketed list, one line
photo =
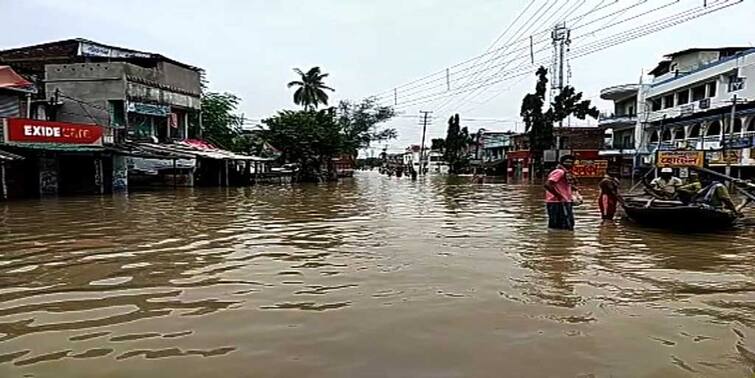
[(718, 72), (583, 138), (180, 77), (91, 84)]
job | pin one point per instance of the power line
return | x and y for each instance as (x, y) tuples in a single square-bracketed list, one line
[(635, 33)]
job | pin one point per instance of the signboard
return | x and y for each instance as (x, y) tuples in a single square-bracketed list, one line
[(681, 159), (148, 109), (93, 49), (738, 142), (19, 130), (732, 157), (590, 168)]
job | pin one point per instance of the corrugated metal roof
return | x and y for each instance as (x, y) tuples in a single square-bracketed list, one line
[(7, 156)]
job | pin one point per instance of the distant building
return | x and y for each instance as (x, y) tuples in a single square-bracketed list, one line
[(619, 127), (137, 109), (685, 104), (689, 101)]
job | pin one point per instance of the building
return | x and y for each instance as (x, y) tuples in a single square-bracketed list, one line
[(619, 127), (584, 143), (432, 160), (490, 148), (689, 104), (146, 108), (15, 97)]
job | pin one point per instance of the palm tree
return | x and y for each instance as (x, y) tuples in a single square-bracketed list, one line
[(310, 92)]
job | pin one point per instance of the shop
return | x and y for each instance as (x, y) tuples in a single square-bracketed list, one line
[(56, 158)]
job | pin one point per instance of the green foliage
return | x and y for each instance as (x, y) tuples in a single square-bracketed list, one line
[(456, 145), (359, 124), (539, 124), (220, 125), (310, 90), (312, 139)]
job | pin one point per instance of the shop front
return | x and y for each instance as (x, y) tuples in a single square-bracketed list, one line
[(58, 158)]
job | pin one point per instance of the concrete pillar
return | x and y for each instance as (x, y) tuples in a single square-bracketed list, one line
[(3, 184), (48, 175), (227, 181), (120, 174), (99, 183)]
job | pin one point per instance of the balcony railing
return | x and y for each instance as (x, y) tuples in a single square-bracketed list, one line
[(607, 119)]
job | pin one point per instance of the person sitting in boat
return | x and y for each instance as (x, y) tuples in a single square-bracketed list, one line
[(716, 195), (687, 192), (666, 184)]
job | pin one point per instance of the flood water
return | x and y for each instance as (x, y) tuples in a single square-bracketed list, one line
[(370, 277)]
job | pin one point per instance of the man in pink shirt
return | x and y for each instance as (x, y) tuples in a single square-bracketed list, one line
[(559, 196)]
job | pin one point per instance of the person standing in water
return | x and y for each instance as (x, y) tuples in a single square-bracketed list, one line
[(609, 197), (559, 195)]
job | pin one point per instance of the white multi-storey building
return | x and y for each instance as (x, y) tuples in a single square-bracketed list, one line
[(687, 103)]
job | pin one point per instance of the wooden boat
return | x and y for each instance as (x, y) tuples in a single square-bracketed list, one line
[(676, 215)]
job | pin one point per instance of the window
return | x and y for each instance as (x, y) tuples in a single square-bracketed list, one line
[(679, 133), (694, 131), (656, 104), (654, 137), (737, 125), (735, 83), (666, 135), (630, 110), (714, 129), (682, 97), (698, 93), (712, 89), (668, 101), (117, 113)]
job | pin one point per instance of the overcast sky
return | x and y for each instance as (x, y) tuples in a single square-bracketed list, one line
[(250, 47)]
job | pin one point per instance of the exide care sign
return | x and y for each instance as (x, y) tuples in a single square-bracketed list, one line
[(19, 130)]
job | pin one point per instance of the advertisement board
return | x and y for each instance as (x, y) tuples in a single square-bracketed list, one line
[(20, 130), (590, 168), (677, 159)]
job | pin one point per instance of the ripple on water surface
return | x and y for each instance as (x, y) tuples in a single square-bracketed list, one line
[(367, 277)]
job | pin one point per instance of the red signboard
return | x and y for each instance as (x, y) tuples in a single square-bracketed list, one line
[(590, 168), (19, 130)]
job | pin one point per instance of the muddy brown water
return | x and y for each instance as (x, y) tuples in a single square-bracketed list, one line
[(370, 277)]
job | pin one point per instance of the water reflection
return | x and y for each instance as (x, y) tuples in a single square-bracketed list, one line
[(309, 280)]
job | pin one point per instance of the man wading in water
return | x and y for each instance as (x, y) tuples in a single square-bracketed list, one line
[(559, 197)]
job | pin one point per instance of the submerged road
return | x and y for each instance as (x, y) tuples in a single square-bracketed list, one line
[(370, 277)]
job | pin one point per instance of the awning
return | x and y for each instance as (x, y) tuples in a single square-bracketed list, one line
[(58, 147), (11, 80), (205, 150), (7, 156)]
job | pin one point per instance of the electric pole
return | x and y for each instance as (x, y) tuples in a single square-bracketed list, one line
[(561, 37), (425, 120), (730, 139)]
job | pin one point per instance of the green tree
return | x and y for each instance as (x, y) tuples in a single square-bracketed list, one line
[(456, 145), (220, 123), (312, 139), (438, 144), (310, 89), (539, 124), (360, 122)]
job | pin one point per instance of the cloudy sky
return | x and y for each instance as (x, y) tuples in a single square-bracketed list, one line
[(370, 47)]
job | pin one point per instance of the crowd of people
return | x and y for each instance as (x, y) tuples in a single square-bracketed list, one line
[(562, 193)]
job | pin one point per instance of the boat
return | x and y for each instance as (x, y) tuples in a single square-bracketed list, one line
[(677, 215)]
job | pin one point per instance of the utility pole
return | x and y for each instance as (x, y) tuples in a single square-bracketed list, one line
[(561, 37), (425, 120), (726, 146)]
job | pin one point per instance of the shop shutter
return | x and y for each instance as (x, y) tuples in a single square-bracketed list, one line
[(9, 105)]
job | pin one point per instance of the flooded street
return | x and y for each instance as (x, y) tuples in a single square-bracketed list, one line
[(370, 277)]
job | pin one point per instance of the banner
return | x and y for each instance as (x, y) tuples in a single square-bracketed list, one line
[(590, 168), (676, 159), (19, 130), (732, 157)]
